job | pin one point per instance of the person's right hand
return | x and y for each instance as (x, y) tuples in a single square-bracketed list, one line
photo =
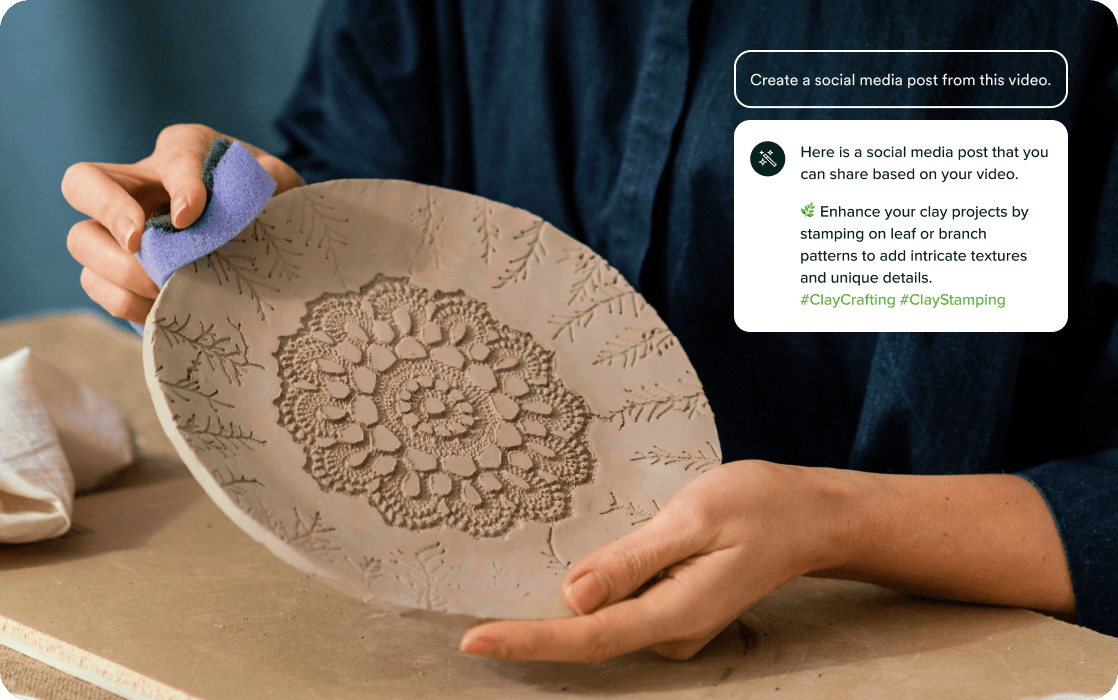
[(120, 198)]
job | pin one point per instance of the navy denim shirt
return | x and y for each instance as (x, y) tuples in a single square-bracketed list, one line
[(614, 121)]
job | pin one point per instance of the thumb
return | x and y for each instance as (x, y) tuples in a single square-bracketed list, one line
[(615, 571), (180, 152)]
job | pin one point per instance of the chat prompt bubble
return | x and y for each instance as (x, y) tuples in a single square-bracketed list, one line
[(900, 225)]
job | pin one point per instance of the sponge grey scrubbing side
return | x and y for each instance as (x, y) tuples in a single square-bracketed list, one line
[(218, 147)]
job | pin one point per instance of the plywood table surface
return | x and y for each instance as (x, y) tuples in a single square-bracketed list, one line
[(158, 592)]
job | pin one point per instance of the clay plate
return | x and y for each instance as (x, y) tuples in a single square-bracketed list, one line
[(427, 398)]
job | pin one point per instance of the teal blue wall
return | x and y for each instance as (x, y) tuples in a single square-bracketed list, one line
[(96, 80)]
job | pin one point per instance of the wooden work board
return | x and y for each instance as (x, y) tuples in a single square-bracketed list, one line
[(156, 594)]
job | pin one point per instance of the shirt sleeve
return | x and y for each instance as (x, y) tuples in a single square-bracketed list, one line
[(371, 101), (1082, 495), (1082, 492)]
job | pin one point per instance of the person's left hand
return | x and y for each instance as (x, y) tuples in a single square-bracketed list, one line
[(722, 543)]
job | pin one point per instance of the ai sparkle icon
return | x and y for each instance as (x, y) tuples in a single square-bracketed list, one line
[(767, 158)]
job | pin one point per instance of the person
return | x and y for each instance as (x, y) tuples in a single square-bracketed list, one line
[(972, 467)]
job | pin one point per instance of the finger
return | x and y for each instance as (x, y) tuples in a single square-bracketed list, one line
[(673, 609), (180, 152), (613, 572), (90, 189), (683, 649), (117, 300), (95, 248), (285, 176)]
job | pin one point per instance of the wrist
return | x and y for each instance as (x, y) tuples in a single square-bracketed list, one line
[(837, 517)]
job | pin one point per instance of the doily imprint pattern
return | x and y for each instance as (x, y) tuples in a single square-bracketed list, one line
[(423, 403)]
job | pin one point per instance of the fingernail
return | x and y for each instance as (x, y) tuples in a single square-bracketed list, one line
[(176, 210), (126, 231), (586, 592), (481, 646)]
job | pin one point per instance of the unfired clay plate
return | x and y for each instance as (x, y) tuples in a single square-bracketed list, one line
[(427, 398)]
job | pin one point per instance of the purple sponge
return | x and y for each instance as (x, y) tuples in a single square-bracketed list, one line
[(240, 188)]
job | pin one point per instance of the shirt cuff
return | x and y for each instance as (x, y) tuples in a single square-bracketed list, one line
[(1082, 495)]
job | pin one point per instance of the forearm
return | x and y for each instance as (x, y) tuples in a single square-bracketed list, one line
[(982, 538)]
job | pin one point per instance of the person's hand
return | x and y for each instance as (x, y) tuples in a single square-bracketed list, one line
[(121, 197), (722, 543)]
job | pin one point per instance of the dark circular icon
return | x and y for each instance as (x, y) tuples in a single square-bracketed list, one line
[(767, 158)]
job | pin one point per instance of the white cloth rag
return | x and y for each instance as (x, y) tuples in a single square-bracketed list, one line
[(57, 437)]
